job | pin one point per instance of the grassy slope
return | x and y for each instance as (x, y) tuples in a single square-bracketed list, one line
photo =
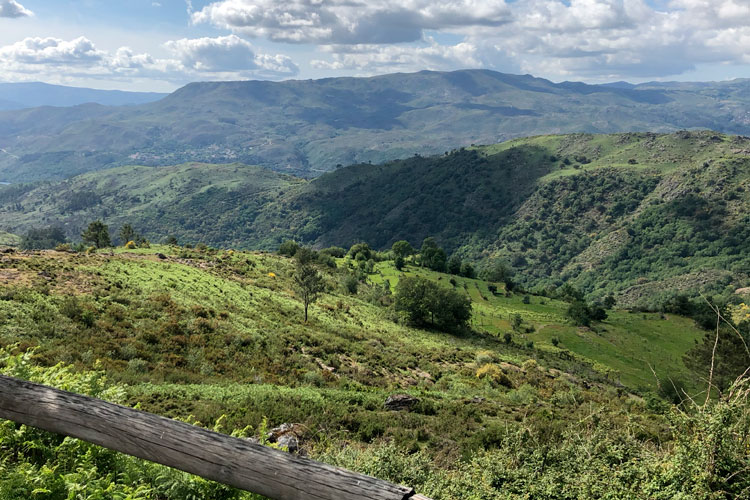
[(9, 239), (221, 333), (627, 343)]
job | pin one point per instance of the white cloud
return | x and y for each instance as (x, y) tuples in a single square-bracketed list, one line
[(349, 21), (607, 39), (374, 58), (51, 51), (219, 58), (226, 54), (556, 38), (11, 8)]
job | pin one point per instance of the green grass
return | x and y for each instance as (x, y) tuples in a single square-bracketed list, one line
[(627, 345), (9, 239)]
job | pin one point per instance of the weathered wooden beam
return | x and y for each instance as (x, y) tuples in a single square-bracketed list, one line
[(232, 461)]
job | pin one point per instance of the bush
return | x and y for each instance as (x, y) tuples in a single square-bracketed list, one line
[(288, 248), (494, 374)]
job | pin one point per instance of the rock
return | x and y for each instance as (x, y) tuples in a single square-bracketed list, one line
[(290, 442), (7, 250), (288, 436), (161, 256), (400, 402)]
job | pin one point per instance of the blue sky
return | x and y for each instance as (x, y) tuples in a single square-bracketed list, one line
[(161, 45)]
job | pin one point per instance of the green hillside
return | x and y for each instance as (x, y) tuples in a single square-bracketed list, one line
[(217, 336), (644, 216), (308, 127), (626, 343)]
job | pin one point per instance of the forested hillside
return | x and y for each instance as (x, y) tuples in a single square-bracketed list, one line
[(641, 215), (309, 127)]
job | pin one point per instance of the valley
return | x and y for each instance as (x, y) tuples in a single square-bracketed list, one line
[(469, 289)]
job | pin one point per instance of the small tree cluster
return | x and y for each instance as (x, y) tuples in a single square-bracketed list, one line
[(424, 302), (497, 271), (130, 238), (432, 256), (43, 238), (583, 314), (460, 268)]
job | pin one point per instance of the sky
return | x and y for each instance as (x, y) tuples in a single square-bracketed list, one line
[(148, 45)]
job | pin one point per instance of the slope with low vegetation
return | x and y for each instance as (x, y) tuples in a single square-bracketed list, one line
[(219, 336)]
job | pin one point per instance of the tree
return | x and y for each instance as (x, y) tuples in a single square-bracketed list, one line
[(432, 256), (97, 234), (467, 270), (127, 234), (362, 249), (424, 302), (309, 283), (305, 255), (288, 248), (609, 301), (497, 271), (402, 249), (399, 262), (454, 265), (582, 314)]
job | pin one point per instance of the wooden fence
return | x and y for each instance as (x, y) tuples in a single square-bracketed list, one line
[(232, 461)]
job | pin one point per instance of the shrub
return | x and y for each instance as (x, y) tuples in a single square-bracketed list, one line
[(494, 374)]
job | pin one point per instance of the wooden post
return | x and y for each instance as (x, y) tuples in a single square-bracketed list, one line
[(232, 461)]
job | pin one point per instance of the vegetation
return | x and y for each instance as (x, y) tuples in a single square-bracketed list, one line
[(38, 239), (309, 283), (97, 234), (670, 223), (215, 334), (425, 303)]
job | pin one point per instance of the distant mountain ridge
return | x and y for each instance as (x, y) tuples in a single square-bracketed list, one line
[(34, 94), (309, 127)]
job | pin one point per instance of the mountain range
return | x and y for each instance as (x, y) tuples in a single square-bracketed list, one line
[(310, 127), (34, 94)]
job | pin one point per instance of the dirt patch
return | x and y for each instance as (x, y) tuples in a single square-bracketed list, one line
[(16, 277)]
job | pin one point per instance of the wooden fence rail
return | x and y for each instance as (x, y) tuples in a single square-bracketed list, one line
[(232, 461)]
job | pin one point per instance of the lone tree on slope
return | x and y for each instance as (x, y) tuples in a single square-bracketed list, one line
[(309, 283), (97, 234)]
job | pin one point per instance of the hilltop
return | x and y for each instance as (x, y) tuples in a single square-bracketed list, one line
[(309, 127), (641, 215)]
